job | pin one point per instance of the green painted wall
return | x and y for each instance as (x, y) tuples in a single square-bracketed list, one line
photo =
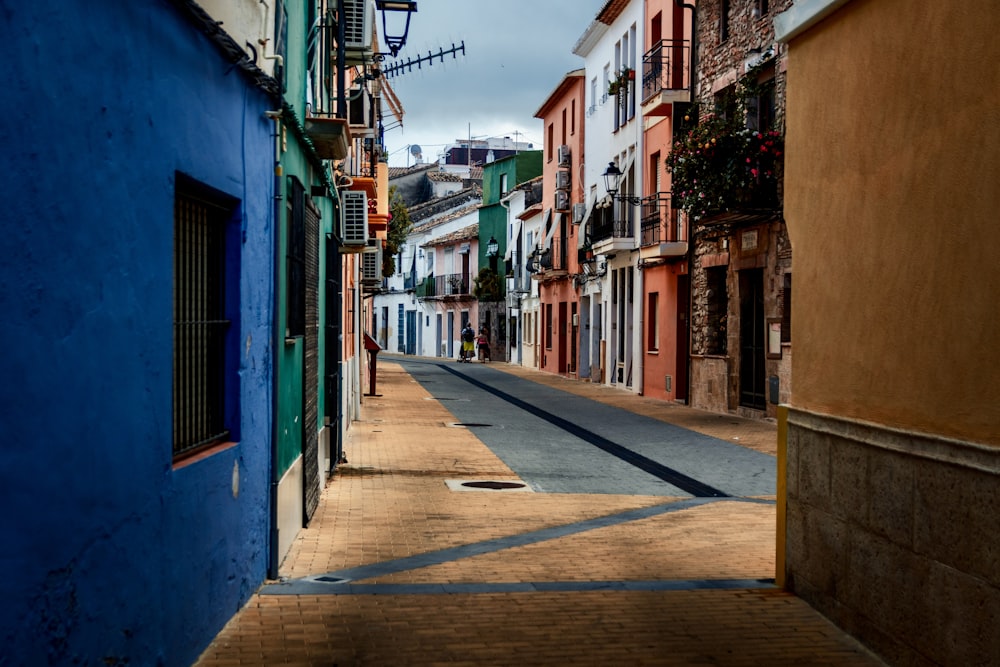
[(492, 216), (295, 162)]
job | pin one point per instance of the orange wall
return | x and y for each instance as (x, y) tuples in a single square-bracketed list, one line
[(656, 365), (892, 193)]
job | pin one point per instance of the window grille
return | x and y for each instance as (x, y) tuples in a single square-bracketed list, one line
[(200, 323), (295, 261)]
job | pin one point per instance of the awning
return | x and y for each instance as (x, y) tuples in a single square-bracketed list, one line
[(550, 230), (581, 236), (515, 232)]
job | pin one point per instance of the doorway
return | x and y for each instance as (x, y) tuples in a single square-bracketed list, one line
[(752, 352), (683, 337)]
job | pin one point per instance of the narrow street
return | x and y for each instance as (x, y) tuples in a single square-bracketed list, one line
[(597, 530)]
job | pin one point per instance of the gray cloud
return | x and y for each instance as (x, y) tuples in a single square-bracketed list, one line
[(516, 53)]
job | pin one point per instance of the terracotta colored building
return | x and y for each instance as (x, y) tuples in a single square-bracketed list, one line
[(556, 256), (891, 196)]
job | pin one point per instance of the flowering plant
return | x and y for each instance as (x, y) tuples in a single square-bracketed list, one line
[(720, 165)]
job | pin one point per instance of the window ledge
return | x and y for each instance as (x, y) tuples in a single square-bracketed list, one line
[(203, 454)]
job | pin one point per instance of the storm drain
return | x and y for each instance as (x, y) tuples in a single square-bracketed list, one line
[(468, 425), (497, 486), (503, 486)]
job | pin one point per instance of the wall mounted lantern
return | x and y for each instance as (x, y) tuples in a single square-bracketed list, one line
[(395, 40), (612, 180), (492, 250)]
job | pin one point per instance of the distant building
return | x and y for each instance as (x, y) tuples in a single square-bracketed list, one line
[(478, 152)]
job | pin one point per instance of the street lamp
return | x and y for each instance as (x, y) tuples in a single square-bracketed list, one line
[(395, 41), (492, 249), (612, 179)]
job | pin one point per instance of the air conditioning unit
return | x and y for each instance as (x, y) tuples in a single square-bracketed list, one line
[(360, 115), (354, 220), (359, 20), (371, 263), (564, 155), (579, 210), (562, 180), (562, 200)]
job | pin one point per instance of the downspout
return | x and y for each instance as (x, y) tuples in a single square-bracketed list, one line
[(276, 344), (693, 76)]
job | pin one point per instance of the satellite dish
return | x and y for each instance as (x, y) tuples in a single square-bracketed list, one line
[(416, 150)]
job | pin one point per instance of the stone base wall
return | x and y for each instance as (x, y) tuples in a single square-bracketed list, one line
[(709, 385), (895, 537)]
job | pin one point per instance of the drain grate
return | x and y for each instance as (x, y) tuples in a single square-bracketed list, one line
[(469, 425), (497, 486), (330, 580), (488, 485)]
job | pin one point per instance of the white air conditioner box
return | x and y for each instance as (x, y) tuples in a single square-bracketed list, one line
[(564, 156), (359, 21), (562, 200), (562, 180), (354, 220)]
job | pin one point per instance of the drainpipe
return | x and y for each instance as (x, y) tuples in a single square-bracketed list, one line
[(693, 77), (692, 60), (276, 344)]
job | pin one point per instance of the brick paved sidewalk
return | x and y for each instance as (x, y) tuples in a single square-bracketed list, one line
[(433, 576)]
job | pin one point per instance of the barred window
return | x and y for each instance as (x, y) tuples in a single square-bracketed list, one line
[(295, 261), (201, 325)]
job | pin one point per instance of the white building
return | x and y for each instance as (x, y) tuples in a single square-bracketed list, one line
[(611, 304), (421, 307)]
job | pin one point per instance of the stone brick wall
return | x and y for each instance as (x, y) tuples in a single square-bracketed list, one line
[(895, 537), (720, 61)]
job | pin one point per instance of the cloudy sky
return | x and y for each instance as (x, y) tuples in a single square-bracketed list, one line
[(516, 53)]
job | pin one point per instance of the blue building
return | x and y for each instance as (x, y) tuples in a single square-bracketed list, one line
[(137, 296)]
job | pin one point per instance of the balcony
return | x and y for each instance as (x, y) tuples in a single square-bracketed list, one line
[(661, 232), (665, 76), (553, 262), (441, 287), (612, 228)]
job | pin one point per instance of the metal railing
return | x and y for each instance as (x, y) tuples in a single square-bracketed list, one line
[(554, 258), (612, 222), (451, 284), (659, 222), (665, 67)]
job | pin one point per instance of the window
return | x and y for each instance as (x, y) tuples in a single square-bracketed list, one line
[(718, 304), (724, 21), (564, 127), (786, 309), (549, 141), (548, 326), (572, 117), (653, 322), (761, 108), (203, 300), (295, 261), (503, 179)]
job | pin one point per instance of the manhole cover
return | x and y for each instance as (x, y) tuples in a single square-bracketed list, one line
[(493, 485)]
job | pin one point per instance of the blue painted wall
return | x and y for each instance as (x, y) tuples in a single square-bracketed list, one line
[(111, 555)]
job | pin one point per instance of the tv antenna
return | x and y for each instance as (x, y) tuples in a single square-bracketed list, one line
[(406, 66)]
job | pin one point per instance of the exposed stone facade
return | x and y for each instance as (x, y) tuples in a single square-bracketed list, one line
[(754, 242)]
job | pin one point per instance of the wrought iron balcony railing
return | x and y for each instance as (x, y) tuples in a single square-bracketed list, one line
[(452, 284), (659, 222), (554, 259), (612, 222), (665, 67)]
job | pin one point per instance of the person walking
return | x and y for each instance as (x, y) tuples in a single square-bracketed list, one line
[(468, 343), (484, 345)]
